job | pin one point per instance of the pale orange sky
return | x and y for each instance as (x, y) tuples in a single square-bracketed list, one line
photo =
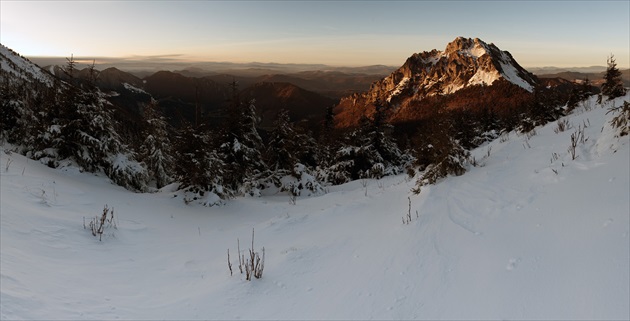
[(350, 33)]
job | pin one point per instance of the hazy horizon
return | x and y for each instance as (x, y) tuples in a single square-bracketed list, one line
[(335, 33), (142, 64)]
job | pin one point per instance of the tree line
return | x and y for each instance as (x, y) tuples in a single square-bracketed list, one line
[(72, 122)]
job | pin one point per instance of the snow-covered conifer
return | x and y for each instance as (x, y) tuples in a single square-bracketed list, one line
[(241, 147), (370, 151), (198, 166), (281, 146), (156, 150)]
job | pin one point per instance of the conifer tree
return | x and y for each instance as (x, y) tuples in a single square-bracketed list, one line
[(613, 83), (198, 166), (13, 112), (370, 151), (308, 150), (88, 134), (542, 109), (327, 142), (281, 146), (156, 150), (241, 146), (87, 131), (438, 152)]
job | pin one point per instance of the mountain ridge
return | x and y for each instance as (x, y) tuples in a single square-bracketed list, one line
[(465, 62)]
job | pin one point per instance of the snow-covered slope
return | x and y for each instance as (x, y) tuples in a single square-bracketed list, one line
[(531, 234), (21, 67), (488, 63)]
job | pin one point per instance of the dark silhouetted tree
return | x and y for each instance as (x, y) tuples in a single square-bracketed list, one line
[(613, 84), (281, 148), (438, 152), (370, 151), (156, 150), (198, 167), (241, 146)]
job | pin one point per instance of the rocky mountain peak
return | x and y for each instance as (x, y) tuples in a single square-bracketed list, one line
[(464, 62), (467, 46)]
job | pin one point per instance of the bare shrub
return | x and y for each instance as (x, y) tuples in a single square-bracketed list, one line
[(251, 265), (98, 224), (622, 120), (365, 183), (407, 218), (576, 138), (505, 136), (531, 133), (9, 161), (292, 199), (411, 172), (473, 161), (229, 262), (562, 125)]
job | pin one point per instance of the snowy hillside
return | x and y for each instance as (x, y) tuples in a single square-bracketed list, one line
[(532, 232), (11, 62)]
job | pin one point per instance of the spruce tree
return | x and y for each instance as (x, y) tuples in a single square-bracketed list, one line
[(327, 142), (369, 152), (156, 151), (198, 166), (241, 146), (281, 146), (438, 152), (613, 83), (88, 134)]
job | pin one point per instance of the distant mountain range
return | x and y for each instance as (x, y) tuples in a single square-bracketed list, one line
[(554, 70), (179, 94), (143, 67), (596, 78), (306, 90)]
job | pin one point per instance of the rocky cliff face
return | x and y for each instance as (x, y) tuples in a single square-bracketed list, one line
[(463, 63)]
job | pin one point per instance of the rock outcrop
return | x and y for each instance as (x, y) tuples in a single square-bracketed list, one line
[(465, 62)]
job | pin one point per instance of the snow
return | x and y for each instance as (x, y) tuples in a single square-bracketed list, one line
[(133, 89), (528, 235), (453, 87), (509, 71), (483, 77), (399, 88), (21, 67), (476, 51), (511, 74), (432, 60)]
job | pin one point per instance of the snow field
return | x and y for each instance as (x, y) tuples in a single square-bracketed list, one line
[(527, 235)]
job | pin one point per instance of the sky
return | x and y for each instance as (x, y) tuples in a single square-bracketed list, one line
[(338, 33)]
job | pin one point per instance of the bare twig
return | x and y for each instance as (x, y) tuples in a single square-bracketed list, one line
[(228, 262), (9, 161)]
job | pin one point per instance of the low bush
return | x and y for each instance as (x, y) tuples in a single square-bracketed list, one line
[(98, 224)]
